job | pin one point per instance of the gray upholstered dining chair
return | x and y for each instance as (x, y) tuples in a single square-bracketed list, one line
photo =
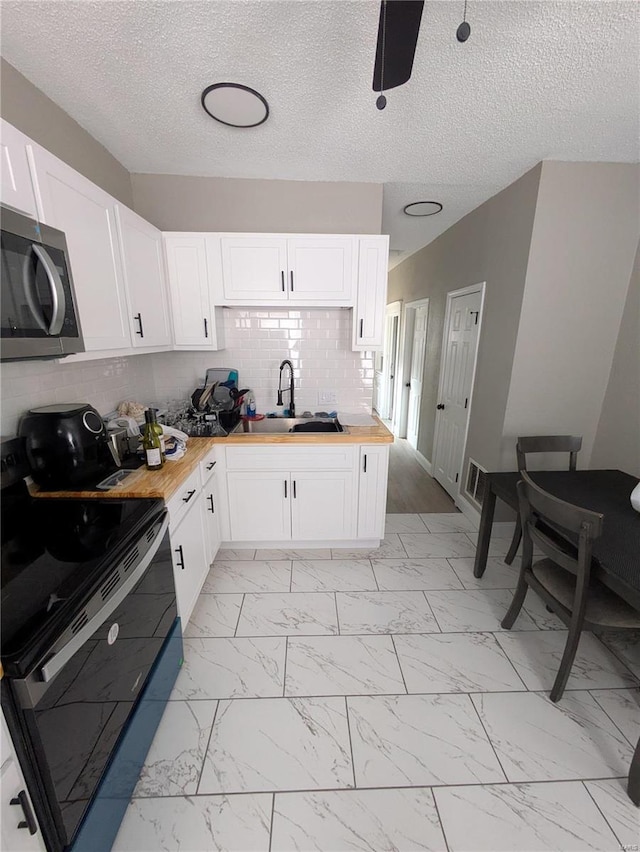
[(563, 579), (541, 444)]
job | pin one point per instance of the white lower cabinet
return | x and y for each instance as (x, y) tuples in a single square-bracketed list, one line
[(210, 507), (259, 507), (322, 504), (189, 555), (17, 818), (372, 490)]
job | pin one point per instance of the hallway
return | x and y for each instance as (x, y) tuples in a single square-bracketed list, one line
[(411, 489)]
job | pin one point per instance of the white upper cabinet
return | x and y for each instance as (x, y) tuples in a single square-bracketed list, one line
[(144, 275), (271, 269), (86, 214), (371, 297), (16, 188), (192, 267)]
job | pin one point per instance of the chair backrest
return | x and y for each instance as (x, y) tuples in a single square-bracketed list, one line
[(581, 527), (548, 444)]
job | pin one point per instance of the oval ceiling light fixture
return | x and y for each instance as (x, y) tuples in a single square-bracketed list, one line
[(235, 105), (422, 208)]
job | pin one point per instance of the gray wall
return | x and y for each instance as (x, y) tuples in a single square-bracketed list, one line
[(617, 441), (181, 203), (32, 112), (489, 244)]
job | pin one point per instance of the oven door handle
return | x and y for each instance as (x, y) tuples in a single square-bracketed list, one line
[(51, 668)]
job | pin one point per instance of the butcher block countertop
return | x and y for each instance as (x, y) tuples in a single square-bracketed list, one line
[(165, 482)]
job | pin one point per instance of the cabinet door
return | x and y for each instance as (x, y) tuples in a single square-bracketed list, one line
[(189, 556), (259, 505), (322, 269), (13, 789), (16, 188), (322, 505), (254, 269), (372, 490), (86, 214), (145, 279), (371, 298), (210, 505), (189, 291)]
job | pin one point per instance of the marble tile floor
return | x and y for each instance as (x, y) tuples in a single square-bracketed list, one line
[(368, 700)]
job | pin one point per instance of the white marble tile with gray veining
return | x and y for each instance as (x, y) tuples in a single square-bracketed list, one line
[(455, 662), (289, 553), (307, 613), (414, 574), (384, 612), (333, 575), (537, 740), (214, 615), (625, 644), (414, 740), (498, 547), (230, 668), (271, 744), (447, 522), (437, 545), (623, 707), (618, 809), (230, 555), (342, 665), (475, 610), (174, 761), (537, 609), (212, 823), (537, 655), (403, 524), (522, 818), (251, 576), (498, 575), (390, 548), (357, 821)]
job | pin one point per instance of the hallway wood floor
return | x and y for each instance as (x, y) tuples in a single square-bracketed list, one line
[(411, 489)]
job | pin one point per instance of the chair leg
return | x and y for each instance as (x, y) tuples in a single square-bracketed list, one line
[(516, 604), (568, 657), (515, 543), (633, 786)]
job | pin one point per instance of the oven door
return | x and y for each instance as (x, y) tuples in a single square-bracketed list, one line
[(75, 705), (37, 313)]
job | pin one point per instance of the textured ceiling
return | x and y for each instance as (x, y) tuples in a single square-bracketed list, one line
[(536, 80)]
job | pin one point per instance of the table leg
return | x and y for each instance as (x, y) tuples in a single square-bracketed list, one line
[(633, 786), (484, 533)]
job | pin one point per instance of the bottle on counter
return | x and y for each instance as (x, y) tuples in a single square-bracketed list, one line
[(159, 432), (251, 406), (151, 442)]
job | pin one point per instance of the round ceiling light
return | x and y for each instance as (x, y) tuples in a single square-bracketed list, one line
[(235, 105), (422, 208)]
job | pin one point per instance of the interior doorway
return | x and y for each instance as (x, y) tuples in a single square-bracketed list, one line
[(386, 367), (413, 356), (461, 333)]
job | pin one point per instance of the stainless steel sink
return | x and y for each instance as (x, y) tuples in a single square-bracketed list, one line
[(290, 426)]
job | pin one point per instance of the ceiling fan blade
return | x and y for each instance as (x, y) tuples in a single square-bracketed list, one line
[(399, 25)]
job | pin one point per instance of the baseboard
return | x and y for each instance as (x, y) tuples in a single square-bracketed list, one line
[(468, 509), (423, 462), (351, 544)]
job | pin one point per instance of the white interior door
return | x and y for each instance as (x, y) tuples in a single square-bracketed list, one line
[(418, 350), (389, 366), (459, 346)]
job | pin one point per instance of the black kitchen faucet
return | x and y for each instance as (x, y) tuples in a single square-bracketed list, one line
[(292, 407)]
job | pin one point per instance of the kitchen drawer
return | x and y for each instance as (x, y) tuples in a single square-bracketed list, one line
[(183, 498), (208, 465), (302, 457)]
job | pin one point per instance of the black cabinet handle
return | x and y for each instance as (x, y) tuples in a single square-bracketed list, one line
[(211, 465), (206, 327), (29, 820), (282, 279), (138, 319), (211, 507), (291, 274), (361, 327), (364, 465), (285, 489), (189, 496), (294, 488), (440, 406), (181, 560)]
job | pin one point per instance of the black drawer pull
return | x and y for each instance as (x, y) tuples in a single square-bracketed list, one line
[(181, 560), (29, 820), (211, 465), (189, 496), (206, 327), (138, 319), (364, 469), (210, 499)]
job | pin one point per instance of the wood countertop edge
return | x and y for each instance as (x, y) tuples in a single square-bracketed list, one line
[(163, 484)]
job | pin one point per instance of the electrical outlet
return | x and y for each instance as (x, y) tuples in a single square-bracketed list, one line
[(327, 397)]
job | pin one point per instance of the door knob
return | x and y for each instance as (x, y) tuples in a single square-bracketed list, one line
[(408, 385), (440, 406)]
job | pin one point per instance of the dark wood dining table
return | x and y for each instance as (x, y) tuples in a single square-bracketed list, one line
[(616, 552)]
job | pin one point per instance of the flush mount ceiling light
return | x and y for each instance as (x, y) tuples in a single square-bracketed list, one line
[(235, 105), (422, 208)]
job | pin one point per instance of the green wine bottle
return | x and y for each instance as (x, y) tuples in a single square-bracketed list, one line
[(151, 442), (158, 430)]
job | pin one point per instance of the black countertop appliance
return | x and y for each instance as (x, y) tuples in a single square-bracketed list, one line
[(67, 446)]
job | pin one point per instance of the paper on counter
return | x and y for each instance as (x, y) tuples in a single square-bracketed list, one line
[(348, 419)]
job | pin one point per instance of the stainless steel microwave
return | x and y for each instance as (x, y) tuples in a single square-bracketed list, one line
[(38, 317)]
